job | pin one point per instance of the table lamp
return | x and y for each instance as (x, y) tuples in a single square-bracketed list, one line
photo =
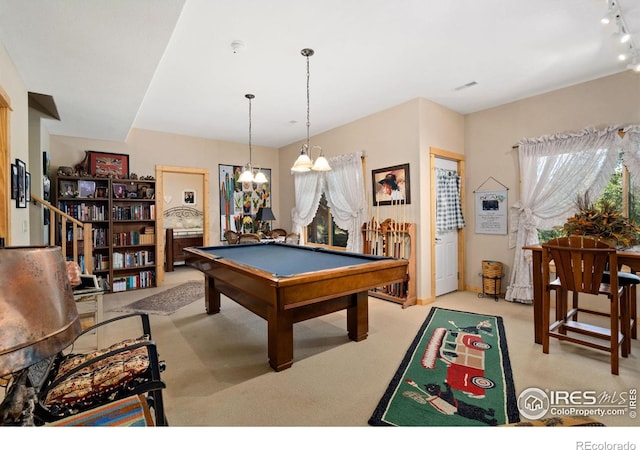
[(38, 315), (265, 214)]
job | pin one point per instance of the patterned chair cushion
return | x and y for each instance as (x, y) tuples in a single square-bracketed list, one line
[(104, 376)]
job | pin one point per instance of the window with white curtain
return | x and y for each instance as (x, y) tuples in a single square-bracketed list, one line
[(323, 230)]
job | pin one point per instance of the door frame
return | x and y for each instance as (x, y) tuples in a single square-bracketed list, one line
[(459, 159), (5, 164), (160, 235)]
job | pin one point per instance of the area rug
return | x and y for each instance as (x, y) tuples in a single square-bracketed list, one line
[(455, 373), (167, 302)]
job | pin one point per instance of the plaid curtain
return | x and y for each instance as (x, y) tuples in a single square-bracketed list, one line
[(448, 208)]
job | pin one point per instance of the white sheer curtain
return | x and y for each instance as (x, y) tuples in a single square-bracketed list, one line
[(553, 171), (343, 188), (630, 145), (346, 198)]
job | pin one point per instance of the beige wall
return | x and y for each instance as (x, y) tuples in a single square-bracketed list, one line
[(14, 87), (147, 148), (399, 135), (491, 134)]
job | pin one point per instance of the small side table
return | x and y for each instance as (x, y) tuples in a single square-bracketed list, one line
[(90, 311)]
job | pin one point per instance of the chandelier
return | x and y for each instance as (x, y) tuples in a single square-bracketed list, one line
[(247, 175), (304, 162)]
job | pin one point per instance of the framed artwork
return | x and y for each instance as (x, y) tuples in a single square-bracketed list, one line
[(27, 187), (239, 202), (21, 196), (67, 188), (189, 197), (119, 190), (108, 165), (391, 185), (87, 188), (14, 181), (46, 164)]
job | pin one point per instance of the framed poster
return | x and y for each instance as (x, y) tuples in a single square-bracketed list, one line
[(239, 202), (21, 195), (189, 197), (108, 165), (27, 187), (14, 181), (491, 212), (391, 185)]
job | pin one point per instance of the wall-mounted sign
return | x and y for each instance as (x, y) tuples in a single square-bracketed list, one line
[(491, 212)]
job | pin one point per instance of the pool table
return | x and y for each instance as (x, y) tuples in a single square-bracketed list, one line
[(285, 284)]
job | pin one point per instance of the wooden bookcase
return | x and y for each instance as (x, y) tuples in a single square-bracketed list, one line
[(123, 217)]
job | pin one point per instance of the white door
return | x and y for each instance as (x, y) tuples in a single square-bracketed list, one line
[(446, 247)]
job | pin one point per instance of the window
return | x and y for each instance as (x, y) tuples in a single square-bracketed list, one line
[(323, 230), (619, 189)]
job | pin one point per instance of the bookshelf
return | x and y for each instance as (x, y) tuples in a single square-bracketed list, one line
[(123, 216)]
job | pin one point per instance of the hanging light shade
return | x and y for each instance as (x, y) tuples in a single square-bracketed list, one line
[(247, 175), (304, 163)]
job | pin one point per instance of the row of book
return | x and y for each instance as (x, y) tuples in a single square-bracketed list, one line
[(83, 211), (134, 212), (141, 280), (133, 238), (140, 258)]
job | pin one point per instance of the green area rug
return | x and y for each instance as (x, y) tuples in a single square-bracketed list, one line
[(455, 373), (169, 301)]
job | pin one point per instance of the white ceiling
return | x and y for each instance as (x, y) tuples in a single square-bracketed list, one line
[(168, 65)]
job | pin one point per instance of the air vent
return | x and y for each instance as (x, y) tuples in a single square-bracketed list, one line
[(468, 85)]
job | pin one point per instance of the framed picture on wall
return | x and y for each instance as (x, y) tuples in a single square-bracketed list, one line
[(14, 181), (21, 196), (27, 187), (189, 197), (108, 165), (391, 185), (240, 200)]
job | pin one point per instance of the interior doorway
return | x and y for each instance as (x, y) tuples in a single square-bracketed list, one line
[(201, 184), (447, 249), (5, 164)]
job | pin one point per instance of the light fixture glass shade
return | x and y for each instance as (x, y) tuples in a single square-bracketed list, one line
[(302, 164), (38, 315), (321, 164), (260, 178), (246, 176)]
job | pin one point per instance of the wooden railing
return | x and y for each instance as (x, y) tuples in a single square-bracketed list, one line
[(78, 232)]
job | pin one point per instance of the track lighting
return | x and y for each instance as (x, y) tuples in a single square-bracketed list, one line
[(621, 36)]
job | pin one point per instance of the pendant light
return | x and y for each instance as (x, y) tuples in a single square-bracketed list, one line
[(304, 162), (247, 175)]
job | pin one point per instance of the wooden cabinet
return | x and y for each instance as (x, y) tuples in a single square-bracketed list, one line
[(123, 217)]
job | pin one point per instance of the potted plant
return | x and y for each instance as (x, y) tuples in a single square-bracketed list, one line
[(602, 220)]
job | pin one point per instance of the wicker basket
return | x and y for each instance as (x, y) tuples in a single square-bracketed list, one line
[(491, 277)]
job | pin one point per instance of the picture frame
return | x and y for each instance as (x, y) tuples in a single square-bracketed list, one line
[(391, 185), (189, 197), (108, 165), (67, 188), (14, 181), (119, 190), (21, 199), (240, 200), (86, 188), (27, 187), (101, 191)]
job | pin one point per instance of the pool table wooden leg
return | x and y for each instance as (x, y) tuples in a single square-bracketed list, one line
[(211, 296), (358, 317), (280, 337)]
